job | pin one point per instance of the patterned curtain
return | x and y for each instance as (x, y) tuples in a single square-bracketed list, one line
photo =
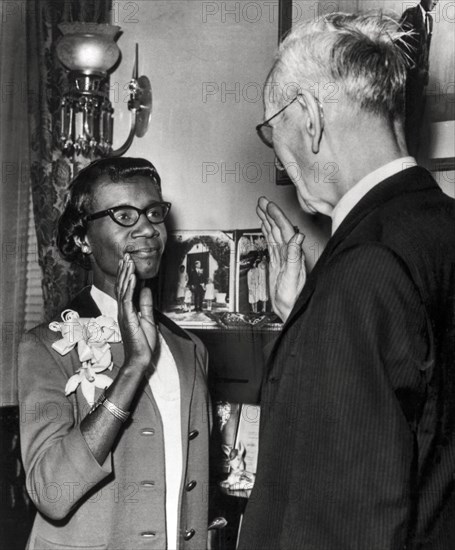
[(14, 196), (50, 170)]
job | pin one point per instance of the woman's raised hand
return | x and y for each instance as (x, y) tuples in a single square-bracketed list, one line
[(138, 329)]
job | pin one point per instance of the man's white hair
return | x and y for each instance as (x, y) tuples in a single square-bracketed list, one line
[(353, 55)]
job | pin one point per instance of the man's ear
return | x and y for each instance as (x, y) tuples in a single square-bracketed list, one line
[(315, 118), (83, 244)]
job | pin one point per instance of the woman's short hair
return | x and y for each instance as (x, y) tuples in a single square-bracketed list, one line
[(72, 222)]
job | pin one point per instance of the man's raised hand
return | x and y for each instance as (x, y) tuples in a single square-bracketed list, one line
[(287, 272)]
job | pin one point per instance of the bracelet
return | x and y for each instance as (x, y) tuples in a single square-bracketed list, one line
[(113, 409), (116, 411), (99, 401)]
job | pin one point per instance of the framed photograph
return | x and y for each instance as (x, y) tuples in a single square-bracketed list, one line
[(197, 276), (252, 270)]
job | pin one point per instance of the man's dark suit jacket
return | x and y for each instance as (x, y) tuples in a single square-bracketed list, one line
[(357, 441)]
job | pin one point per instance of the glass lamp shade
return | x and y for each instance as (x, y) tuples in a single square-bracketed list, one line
[(88, 48)]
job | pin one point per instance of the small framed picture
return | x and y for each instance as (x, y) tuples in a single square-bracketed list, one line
[(197, 276), (252, 273)]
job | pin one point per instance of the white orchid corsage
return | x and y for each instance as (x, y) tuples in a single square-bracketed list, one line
[(91, 337)]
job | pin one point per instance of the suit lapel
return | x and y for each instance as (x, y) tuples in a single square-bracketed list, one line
[(407, 181)]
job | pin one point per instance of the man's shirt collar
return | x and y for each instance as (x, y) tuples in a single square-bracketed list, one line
[(360, 189)]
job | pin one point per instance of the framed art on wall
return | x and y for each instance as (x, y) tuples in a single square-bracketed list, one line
[(197, 276)]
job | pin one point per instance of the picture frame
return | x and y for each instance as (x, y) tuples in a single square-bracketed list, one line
[(197, 276)]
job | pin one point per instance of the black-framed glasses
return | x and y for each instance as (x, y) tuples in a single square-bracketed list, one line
[(127, 216)]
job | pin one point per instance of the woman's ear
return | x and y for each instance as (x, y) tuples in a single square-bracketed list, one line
[(83, 244), (315, 118)]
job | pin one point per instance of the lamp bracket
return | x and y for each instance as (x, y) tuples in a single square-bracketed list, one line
[(140, 107)]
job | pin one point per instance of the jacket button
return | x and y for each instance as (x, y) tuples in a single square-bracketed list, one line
[(193, 434), (191, 485), (148, 431), (189, 534), (148, 534)]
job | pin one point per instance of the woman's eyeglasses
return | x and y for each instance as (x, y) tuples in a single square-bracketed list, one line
[(127, 216)]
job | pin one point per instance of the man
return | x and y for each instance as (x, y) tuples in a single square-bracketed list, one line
[(197, 282), (357, 444), (416, 47)]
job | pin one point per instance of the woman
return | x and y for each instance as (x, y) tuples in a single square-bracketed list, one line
[(130, 473)]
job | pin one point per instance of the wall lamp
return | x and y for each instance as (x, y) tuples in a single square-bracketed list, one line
[(89, 52)]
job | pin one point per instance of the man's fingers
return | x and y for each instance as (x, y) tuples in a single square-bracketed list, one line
[(267, 228), (272, 236), (272, 246), (262, 204), (294, 250), (262, 216), (281, 225), (294, 270)]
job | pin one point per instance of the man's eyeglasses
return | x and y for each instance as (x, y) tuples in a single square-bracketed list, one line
[(264, 129), (127, 216)]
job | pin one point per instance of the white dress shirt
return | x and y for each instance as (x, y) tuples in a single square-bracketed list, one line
[(360, 189), (165, 386)]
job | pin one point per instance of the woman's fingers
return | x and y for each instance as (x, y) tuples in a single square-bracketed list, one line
[(128, 277), (119, 277), (122, 277), (126, 268), (130, 286), (146, 304)]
